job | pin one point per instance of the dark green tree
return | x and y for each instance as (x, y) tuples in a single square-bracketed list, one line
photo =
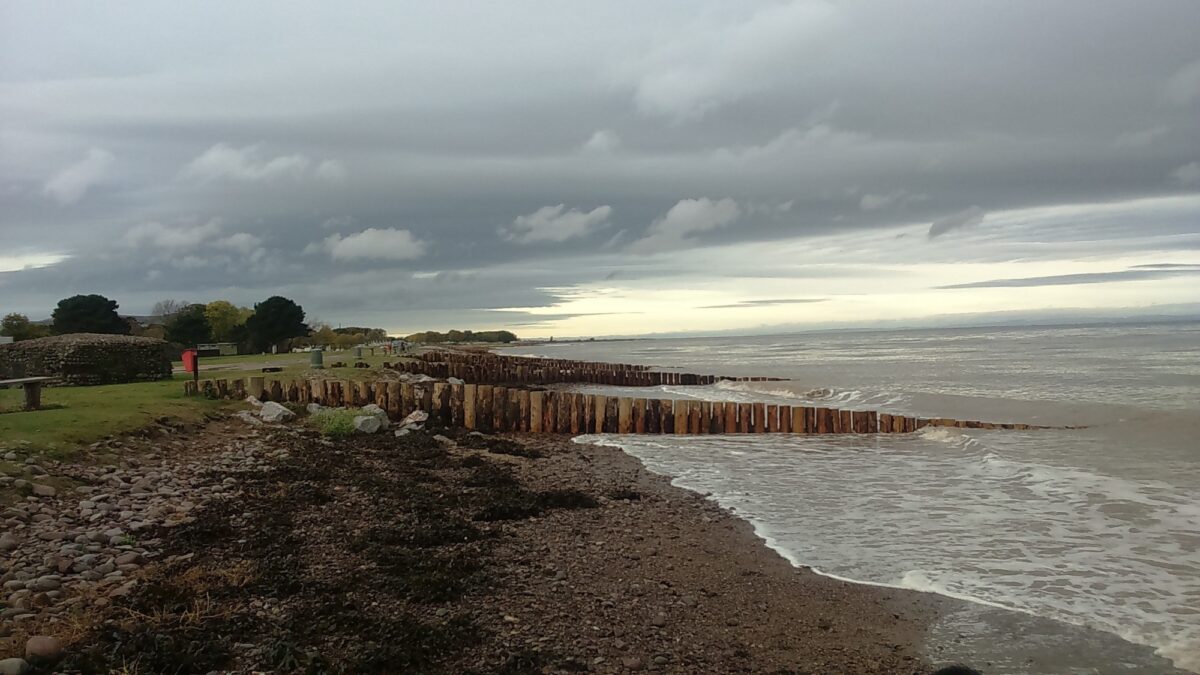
[(88, 314), (189, 326), (19, 327), (274, 320)]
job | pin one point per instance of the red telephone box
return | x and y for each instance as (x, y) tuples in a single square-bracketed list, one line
[(190, 357)]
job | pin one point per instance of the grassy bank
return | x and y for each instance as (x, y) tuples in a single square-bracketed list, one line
[(75, 416)]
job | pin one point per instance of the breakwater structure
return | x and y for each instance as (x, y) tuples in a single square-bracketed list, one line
[(495, 393)]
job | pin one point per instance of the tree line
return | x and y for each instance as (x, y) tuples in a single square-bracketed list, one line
[(274, 321)]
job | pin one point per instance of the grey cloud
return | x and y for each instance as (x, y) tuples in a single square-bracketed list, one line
[(390, 126), (1085, 278), (954, 221), (766, 303)]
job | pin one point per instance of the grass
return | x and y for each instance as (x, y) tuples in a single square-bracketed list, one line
[(334, 421), (294, 366), (80, 415)]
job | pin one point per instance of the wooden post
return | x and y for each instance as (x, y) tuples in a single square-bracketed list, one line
[(456, 404), (364, 393), (694, 423), (441, 402), (872, 422), (885, 423), (771, 423), (785, 419), (681, 407), (654, 416), (257, 386), (745, 413), (536, 401), (276, 388), (667, 416), (610, 415), (731, 417), (522, 423), (222, 390), (239, 389), (500, 409), (578, 403), (639, 415), (760, 418), (470, 398), (847, 421), (706, 416), (393, 400), (717, 421), (483, 408), (407, 404), (799, 420), (624, 415), (550, 413), (600, 404)]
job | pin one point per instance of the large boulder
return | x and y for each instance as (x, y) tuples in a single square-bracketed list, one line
[(367, 424), (273, 412)]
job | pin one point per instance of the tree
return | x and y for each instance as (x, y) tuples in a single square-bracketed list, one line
[(275, 319), (223, 317), (19, 327), (168, 308), (324, 335), (189, 326), (88, 314)]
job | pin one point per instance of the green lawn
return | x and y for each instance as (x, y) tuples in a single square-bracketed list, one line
[(81, 415)]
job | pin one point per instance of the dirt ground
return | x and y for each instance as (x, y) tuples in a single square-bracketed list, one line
[(478, 555)]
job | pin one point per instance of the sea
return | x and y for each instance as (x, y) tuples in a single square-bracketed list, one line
[(1058, 539)]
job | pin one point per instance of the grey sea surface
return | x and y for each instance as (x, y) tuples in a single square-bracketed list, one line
[(1057, 538)]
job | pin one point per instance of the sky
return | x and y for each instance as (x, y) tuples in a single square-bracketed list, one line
[(605, 168)]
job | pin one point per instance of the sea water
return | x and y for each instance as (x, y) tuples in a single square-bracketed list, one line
[(1096, 527)]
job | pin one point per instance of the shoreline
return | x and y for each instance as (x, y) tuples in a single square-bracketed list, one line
[(966, 628), (465, 552)]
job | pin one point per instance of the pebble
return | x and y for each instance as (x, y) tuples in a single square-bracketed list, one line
[(44, 490), (43, 649), (8, 542), (14, 667)]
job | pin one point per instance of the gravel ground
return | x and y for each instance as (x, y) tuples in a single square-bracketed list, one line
[(238, 547)]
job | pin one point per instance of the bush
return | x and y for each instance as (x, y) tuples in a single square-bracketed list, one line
[(334, 421)]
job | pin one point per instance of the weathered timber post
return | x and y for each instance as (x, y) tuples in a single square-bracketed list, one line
[(393, 399), (610, 414), (600, 403), (441, 403), (483, 408), (537, 400), (667, 416), (470, 400), (276, 388), (785, 419), (624, 415), (456, 404), (731, 418), (639, 415), (500, 409), (772, 421), (759, 423), (847, 421), (257, 386), (577, 405), (550, 413), (653, 416), (681, 408)]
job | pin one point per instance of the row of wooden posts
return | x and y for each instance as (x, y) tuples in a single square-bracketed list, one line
[(487, 368), (500, 409)]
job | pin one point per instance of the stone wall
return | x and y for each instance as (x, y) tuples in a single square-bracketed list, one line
[(87, 358)]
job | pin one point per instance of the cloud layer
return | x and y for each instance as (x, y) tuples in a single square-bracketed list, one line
[(607, 174)]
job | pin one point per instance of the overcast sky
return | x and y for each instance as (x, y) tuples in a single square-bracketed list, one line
[(605, 168)]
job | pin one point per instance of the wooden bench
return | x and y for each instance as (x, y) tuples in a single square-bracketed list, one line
[(32, 387)]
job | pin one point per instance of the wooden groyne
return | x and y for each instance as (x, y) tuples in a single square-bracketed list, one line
[(488, 368), (492, 408)]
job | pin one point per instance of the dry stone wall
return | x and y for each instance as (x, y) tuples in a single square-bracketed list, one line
[(87, 359)]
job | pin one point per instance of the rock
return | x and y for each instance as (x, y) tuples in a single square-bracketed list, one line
[(131, 558), (454, 380), (254, 402), (273, 412), (43, 650), (373, 409), (8, 543), (46, 584), (444, 441), (248, 417), (414, 418), (633, 662), (367, 424), (314, 408), (659, 620), (403, 432), (35, 469), (14, 667)]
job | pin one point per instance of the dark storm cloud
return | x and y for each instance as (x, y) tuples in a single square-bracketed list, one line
[(406, 159)]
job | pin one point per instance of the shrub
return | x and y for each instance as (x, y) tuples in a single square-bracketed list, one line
[(334, 421)]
